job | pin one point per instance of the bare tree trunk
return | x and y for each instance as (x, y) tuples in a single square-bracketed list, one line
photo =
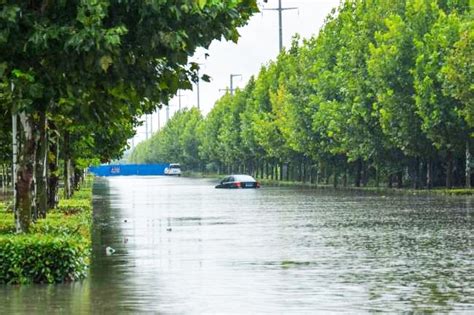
[(468, 165), (25, 175)]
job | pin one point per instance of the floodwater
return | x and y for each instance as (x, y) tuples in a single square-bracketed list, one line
[(182, 246)]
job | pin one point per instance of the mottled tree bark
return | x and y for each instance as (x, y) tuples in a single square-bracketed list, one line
[(25, 175)]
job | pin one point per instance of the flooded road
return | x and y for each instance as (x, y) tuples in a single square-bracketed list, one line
[(182, 246)]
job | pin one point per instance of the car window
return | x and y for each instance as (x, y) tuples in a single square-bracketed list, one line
[(231, 179), (245, 178)]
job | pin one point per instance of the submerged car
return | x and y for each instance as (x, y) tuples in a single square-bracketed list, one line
[(173, 169), (238, 181)]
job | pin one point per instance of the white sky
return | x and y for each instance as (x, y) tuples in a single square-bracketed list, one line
[(257, 45)]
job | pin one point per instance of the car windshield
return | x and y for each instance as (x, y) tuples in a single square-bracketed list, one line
[(244, 178), (174, 166)]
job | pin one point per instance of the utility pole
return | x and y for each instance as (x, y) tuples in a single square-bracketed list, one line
[(146, 126), (159, 123), (167, 113), (232, 82), (179, 99), (280, 19), (197, 90), (151, 125)]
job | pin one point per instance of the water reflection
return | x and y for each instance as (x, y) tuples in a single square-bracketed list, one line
[(184, 247)]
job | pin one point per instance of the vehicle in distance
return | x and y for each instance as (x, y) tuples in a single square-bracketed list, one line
[(173, 169), (238, 181)]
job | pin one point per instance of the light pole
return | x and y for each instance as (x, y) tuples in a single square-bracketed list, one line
[(280, 19)]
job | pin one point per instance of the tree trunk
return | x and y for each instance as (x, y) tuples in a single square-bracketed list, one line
[(358, 177), (345, 177), (53, 173), (449, 170), (377, 177), (67, 167), (429, 174), (303, 164), (25, 175), (316, 181), (41, 170), (390, 181), (468, 165), (3, 178), (400, 179), (416, 175)]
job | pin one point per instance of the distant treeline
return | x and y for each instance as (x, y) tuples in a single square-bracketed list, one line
[(383, 94)]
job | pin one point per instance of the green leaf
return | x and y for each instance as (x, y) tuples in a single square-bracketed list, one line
[(105, 62), (202, 3)]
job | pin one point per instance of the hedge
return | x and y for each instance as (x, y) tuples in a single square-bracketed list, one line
[(57, 249), (42, 258)]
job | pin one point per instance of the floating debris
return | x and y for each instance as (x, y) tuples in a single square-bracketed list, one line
[(109, 250)]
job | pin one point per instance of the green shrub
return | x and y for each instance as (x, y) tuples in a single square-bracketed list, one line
[(57, 223), (84, 193), (57, 249), (7, 222), (42, 258), (73, 206)]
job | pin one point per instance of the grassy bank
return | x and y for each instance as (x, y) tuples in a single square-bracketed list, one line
[(378, 190), (57, 249)]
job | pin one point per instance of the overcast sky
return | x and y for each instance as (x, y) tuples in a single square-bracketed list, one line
[(257, 45)]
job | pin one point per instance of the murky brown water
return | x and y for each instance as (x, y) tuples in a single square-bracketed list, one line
[(184, 247)]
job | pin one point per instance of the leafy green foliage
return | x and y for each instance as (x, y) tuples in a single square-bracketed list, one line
[(56, 250), (383, 91), (42, 258)]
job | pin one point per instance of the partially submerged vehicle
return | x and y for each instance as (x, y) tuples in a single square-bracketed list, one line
[(238, 181)]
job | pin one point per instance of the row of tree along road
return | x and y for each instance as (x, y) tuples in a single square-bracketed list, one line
[(75, 76), (384, 93)]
